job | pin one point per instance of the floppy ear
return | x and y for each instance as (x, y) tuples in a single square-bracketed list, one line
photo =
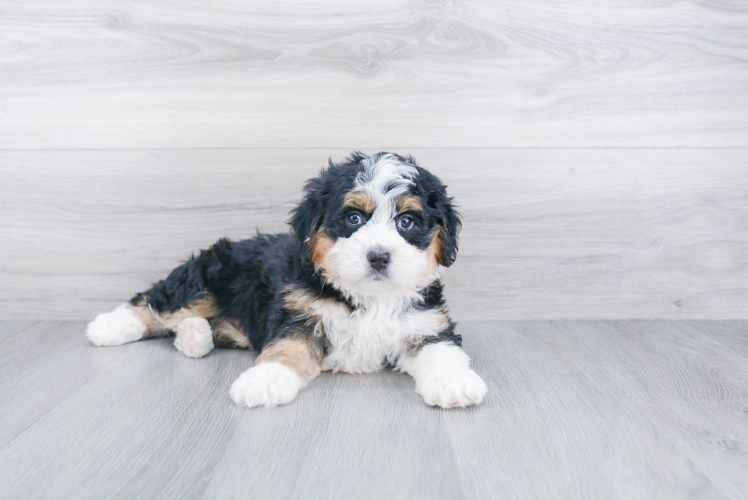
[(450, 223), (306, 218)]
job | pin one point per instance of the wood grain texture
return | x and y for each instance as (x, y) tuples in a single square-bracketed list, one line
[(479, 73), (593, 398), (575, 410), (548, 234)]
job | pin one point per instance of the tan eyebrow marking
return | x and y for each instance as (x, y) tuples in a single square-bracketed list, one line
[(361, 200), (409, 203)]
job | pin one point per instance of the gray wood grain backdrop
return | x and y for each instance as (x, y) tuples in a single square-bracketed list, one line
[(599, 150)]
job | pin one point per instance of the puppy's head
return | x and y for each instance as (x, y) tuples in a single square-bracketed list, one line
[(377, 224)]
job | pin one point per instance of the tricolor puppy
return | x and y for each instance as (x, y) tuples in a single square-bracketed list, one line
[(355, 288)]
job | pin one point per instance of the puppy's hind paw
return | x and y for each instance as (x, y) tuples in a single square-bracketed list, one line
[(115, 328), (194, 337), (453, 388), (267, 385)]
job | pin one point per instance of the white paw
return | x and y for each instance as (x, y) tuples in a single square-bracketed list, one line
[(452, 388), (115, 328), (268, 384), (194, 337)]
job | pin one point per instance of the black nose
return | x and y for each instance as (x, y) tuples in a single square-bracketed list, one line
[(378, 259)]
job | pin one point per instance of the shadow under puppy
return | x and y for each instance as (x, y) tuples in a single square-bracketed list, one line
[(356, 287)]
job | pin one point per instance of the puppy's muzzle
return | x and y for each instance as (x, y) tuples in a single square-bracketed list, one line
[(378, 259)]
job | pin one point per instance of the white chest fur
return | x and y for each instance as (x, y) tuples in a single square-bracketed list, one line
[(377, 332)]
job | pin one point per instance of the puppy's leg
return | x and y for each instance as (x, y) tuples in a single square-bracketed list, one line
[(283, 368), (117, 327), (181, 304), (194, 337), (443, 376), (191, 324)]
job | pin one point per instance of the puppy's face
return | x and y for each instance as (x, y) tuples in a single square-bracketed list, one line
[(377, 225)]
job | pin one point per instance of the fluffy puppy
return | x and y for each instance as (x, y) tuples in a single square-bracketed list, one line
[(354, 288)]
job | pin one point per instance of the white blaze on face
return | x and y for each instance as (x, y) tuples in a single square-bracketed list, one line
[(385, 180)]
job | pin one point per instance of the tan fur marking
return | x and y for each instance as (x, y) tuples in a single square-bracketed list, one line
[(299, 300), (151, 320), (444, 324), (444, 319), (296, 300), (302, 300), (160, 325), (296, 354), (205, 307), (434, 250), (227, 333), (408, 204), (320, 245), (360, 200)]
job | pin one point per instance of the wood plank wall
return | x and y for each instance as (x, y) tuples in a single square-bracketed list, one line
[(599, 150)]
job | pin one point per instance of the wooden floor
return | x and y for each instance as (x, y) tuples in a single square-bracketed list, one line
[(575, 410)]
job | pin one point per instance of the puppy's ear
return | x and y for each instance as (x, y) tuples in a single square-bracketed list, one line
[(307, 217), (450, 222)]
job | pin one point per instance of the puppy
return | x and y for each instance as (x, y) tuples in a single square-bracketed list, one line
[(354, 288)]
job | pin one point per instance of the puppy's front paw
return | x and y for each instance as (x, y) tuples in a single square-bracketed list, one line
[(194, 337), (115, 328), (268, 384), (452, 388)]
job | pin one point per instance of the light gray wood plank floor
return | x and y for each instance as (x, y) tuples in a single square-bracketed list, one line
[(643, 409)]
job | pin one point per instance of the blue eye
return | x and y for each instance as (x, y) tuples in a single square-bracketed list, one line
[(405, 222), (353, 219)]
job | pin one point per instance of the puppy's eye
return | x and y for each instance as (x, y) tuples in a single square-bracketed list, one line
[(353, 220), (405, 222)]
